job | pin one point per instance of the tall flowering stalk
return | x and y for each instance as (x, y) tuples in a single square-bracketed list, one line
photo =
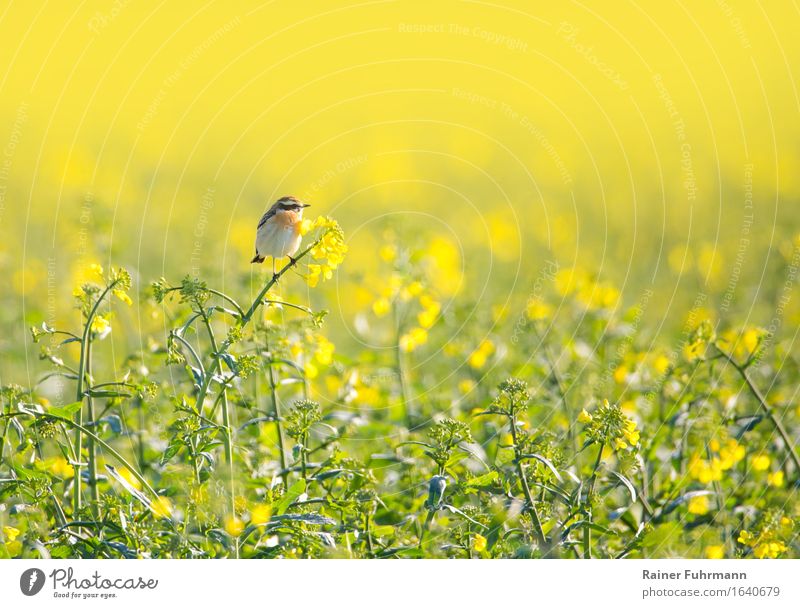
[(89, 297), (327, 249)]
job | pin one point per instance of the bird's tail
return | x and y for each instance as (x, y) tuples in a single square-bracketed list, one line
[(258, 259)]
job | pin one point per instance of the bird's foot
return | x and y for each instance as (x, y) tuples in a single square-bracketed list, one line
[(292, 261)]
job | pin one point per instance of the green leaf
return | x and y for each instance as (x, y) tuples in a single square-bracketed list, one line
[(545, 462), (172, 449), (65, 411), (627, 483), (126, 484), (485, 480), (292, 494)]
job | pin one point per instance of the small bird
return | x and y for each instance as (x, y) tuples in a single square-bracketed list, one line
[(278, 232)]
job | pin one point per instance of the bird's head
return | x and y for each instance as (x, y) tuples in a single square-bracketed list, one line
[(290, 203)]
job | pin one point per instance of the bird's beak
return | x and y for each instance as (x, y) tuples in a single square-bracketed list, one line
[(305, 205)]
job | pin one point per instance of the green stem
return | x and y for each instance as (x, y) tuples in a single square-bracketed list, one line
[(83, 430), (276, 412), (245, 320), (587, 530), (78, 442), (529, 504), (90, 444), (227, 429), (408, 408), (767, 409), (562, 390), (304, 443)]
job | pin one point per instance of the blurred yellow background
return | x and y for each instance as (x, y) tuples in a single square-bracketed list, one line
[(641, 141)]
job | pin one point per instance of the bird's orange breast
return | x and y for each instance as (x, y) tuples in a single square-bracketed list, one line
[(286, 219)]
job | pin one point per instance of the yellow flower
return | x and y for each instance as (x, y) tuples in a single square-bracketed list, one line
[(233, 525), (445, 271), (431, 309), (481, 354), (414, 289), (325, 349), (769, 549), (715, 552), (388, 253), (751, 339), (260, 514), (746, 538), (311, 370), (731, 453), (698, 505), (426, 318), (705, 471), (123, 296), (619, 444), (620, 374), (381, 307), (694, 351), (630, 432), (466, 386), (100, 325), (775, 479), (479, 543), (412, 339), (406, 344), (331, 246), (14, 548), (95, 271), (305, 226), (584, 417), (161, 506), (60, 467), (317, 272), (598, 295), (419, 335), (538, 311), (661, 364), (760, 462), (296, 349), (10, 533)]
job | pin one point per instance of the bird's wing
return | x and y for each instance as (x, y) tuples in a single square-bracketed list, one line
[(266, 216)]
